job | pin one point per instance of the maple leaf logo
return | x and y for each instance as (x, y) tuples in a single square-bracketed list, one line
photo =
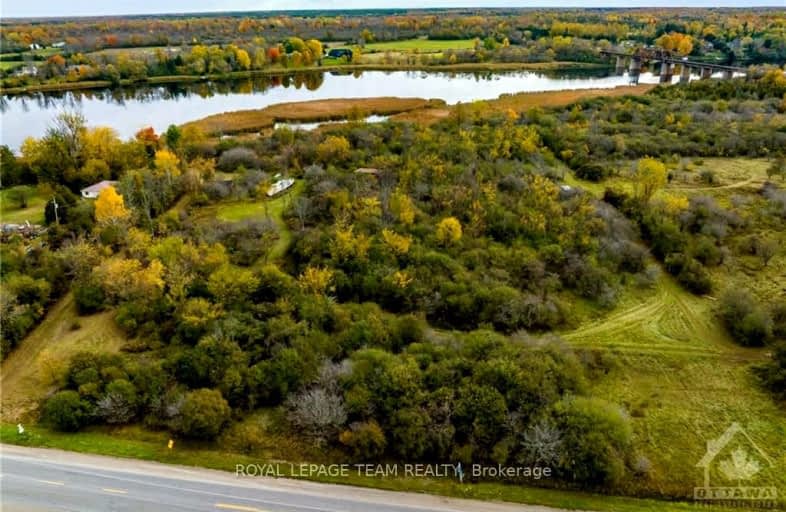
[(739, 466)]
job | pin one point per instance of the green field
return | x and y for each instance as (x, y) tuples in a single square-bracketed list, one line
[(10, 212), (420, 45), (275, 207)]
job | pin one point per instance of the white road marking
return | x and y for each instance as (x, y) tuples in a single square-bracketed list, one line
[(115, 491), (50, 482)]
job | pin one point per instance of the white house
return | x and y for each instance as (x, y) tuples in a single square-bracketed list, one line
[(92, 191), (280, 186)]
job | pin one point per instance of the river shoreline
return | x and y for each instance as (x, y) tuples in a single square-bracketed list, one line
[(349, 68)]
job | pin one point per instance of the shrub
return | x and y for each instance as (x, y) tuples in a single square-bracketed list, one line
[(317, 412), (233, 158), (592, 172), (773, 373), (119, 404), (203, 415), (366, 440), (596, 440), (66, 411), (747, 322)]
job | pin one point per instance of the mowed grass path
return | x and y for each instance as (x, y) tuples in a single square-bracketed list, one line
[(35, 367), (683, 382)]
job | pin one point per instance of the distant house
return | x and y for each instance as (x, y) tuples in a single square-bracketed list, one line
[(280, 186), (367, 170), (35, 46), (59, 44), (338, 53), (92, 191)]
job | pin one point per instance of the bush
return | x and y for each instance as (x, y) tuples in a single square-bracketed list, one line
[(773, 373), (66, 411), (592, 172), (366, 440), (119, 404), (596, 440), (233, 158), (748, 323), (203, 415)]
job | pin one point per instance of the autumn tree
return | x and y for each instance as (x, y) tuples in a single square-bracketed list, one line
[(650, 176), (449, 231), (110, 208)]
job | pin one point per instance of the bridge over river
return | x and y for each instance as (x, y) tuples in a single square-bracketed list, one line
[(668, 64)]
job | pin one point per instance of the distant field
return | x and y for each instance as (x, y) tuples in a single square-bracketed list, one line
[(10, 211), (142, 52), (421, 45)]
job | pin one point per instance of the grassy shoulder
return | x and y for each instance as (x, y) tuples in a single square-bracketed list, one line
[(280, 70), (152, 446)]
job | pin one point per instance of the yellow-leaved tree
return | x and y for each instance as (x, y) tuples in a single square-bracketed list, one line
[(315, 279), (650, 176), (167, 163), (110, 207), (449, 231)]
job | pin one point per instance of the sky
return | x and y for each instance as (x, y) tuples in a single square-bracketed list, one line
[(36, 8)]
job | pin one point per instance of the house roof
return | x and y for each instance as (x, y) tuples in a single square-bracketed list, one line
[(98, 187), (366, 170)]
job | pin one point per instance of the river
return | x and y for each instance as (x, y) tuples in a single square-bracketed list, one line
[(129, 109)]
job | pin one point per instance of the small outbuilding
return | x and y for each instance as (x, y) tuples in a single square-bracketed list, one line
[(280, 186), (93, 191)]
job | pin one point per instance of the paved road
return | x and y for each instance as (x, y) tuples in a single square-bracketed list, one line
[(35, 480)]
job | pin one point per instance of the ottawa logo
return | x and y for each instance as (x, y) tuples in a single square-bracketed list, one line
[(735, 460)]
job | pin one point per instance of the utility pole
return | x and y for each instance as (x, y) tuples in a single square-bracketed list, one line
[(56, 206)]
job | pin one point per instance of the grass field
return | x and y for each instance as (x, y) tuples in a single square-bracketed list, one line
[(420, 45), (678, 374), (36, 366), (236, 211), (9, 205)]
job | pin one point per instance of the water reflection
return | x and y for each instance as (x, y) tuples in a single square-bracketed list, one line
[(127, 109)]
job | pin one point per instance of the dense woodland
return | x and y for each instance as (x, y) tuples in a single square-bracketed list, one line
[(411, 314), (139, 48)]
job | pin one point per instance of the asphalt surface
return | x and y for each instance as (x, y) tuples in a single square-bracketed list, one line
[(34, 480)]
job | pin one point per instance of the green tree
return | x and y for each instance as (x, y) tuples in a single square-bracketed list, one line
[(203, 415), (66, 411)]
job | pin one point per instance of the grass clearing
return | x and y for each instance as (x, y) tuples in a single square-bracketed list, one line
[(10, 212), (242, 210), (35, 367), (420, 45)]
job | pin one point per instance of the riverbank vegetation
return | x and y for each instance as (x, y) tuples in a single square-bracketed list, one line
[(58, 54), (508, 285)]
